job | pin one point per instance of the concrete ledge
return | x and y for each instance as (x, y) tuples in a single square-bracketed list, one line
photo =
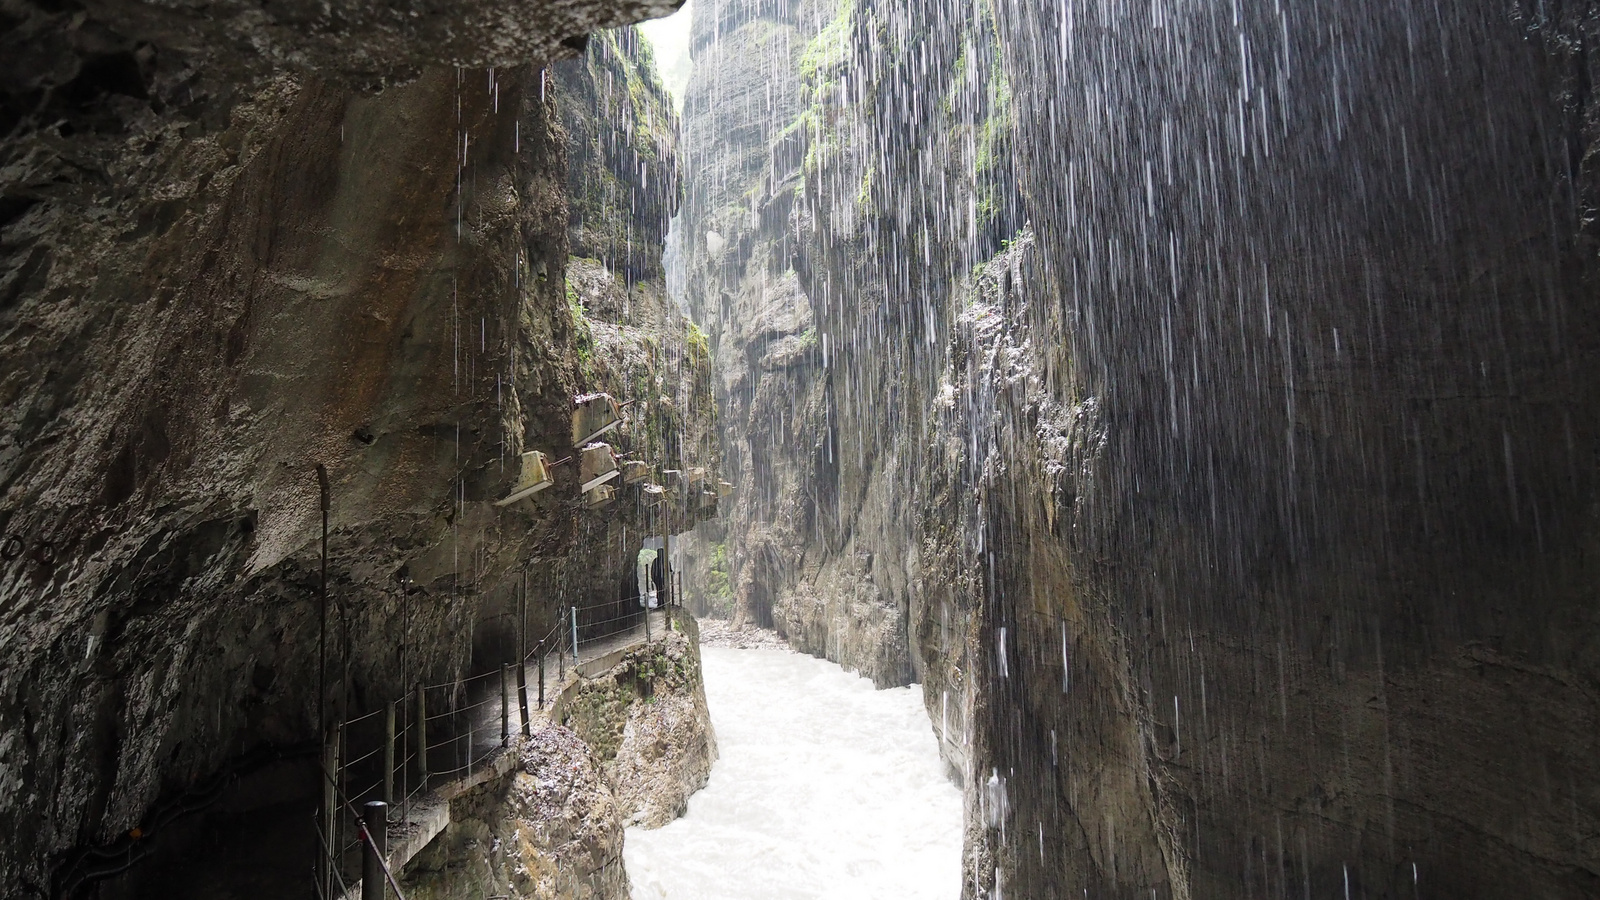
[(603, 663), (430, 816)]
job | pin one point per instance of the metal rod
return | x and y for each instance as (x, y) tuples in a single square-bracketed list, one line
[(322, 594), (404, 576), (405, 764), (505, 707), (365, 837), (388, 751), (522, 698), (343, 786), (422, 735), (330, 761), (522, 657), (326, 879), (541, 679), (376, 846), (574, 635)]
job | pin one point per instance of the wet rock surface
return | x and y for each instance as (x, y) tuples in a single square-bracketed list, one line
[(236, 243), (721, 633), (647, 721), (737, 253), (551, 831), (1187, 443)]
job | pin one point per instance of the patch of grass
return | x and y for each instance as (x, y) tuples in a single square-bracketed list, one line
[(829, 48), (699, 344), (582, 335)]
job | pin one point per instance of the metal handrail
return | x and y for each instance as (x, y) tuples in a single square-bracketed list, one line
[(363, 717), (411, 761)]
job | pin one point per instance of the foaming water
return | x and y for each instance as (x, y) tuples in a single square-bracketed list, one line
[(824, 787)]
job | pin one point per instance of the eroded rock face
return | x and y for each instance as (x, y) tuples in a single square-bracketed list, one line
[(1236, 516), (551, 831), (351, 39), (648, 723), (737, 254), (623, 172), (222, 264)]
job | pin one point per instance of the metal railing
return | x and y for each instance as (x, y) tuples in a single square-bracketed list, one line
[(437, 733)]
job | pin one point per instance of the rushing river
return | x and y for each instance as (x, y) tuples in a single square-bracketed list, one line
[(825, 787)]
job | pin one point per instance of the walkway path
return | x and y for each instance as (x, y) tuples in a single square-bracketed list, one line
[(413, 824)]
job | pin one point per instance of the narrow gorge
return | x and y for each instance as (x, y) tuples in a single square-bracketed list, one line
[(1186, 398)]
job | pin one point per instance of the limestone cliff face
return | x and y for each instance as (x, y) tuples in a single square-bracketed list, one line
[(626, 336), (622, 136), (738, 255), (648, 724), (1236, 513), (551, 830), (887, 265), (828, 368), (1310, 510), (225, 258)]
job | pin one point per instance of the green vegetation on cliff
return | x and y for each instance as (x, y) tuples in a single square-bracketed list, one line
[(622, 134)]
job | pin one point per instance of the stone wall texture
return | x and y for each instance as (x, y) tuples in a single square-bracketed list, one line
[(240, 241), (1195, 399)]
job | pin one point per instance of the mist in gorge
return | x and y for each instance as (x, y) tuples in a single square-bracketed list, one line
[(1181, 414)]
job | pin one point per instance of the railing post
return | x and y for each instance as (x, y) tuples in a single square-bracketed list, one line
[(647, 621), (422, 735), (541, 678), (403, 707), (522, 654), (574, 635), (340, 754), (666, 565), (505, 708), (522, 697), (330, 766), (388, 752), (375, 818)]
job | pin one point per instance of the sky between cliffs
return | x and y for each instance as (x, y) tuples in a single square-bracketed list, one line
[(669, 39)]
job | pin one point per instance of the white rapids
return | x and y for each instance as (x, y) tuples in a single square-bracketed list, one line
[(825, 787)]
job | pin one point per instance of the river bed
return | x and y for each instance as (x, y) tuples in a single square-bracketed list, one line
[(824, 787)]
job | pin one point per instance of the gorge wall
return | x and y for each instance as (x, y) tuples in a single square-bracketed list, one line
[(1194, 398), (238, 242)]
